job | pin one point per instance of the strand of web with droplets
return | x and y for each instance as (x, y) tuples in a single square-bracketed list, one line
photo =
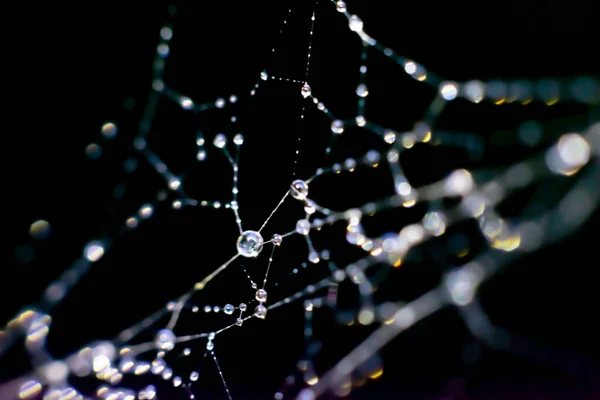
[(570, 154), (422, 131), (458, 289), (95, 249), (585, 90)]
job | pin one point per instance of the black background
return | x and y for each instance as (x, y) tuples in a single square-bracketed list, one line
[(76, 67)]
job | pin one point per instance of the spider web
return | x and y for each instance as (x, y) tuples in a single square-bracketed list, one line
[(180, 225)]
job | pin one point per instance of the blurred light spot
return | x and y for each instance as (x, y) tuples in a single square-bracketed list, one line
[(93, 251), (40, 229), (109, 130), (30, 389), (93, 151), (570, 154)]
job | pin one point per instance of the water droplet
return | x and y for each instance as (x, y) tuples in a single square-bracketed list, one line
[(260, 311), (93, 251), (167, 374), (243, 307), (303, 227), (299, 189), (355, 23), (306, 91), (276, 239), (238, 139), (362, 91), (158, 366), (249, 244), (239, 322), (228, 309), (166, 33), (389, 137), (264, 76), (310, 207), (165, 340), (261, 295), (220, 141), (194, 376), (340, 6), (93, 151), (210, 345), (449, 90), (109, 130), (220, 103), (337, 126), (40, 229)]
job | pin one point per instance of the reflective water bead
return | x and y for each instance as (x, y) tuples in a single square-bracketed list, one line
[(210, 345), (249, 244), (228, 309), (238, 139), (260, 311), (158, 366), (306, 91), (194, 376), (303, 227), (261, 295), (310, 207), (340, 5), (264, 76), (276, 239), (109, 130), (361, 90), (355, 23), (239, 322), (167, 374), (165, 339), (299, 189), (389, 136), (149, 392), (243, 307), (337, 127), (220, 141), (449, 90)]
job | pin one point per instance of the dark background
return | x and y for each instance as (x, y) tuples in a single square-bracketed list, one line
[(76, 67)]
